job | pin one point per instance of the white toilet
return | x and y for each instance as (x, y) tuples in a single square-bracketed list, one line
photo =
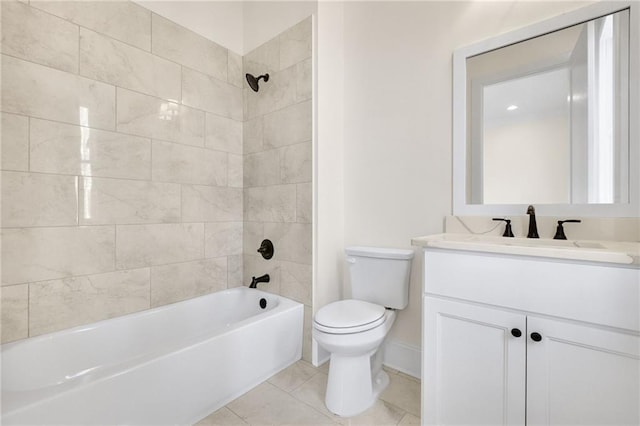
[(353, 330)]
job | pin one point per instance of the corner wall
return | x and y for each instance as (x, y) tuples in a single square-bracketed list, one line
[(278, 166)]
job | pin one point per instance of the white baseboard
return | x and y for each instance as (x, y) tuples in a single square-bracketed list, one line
[(403, 357)]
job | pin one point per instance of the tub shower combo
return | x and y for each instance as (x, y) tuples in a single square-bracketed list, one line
[(169, 365)]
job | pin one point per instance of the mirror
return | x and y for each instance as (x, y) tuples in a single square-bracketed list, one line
[(548, 115)]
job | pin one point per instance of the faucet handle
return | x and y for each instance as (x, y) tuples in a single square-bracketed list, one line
[(507, 229), (560, 230), (266, 249)]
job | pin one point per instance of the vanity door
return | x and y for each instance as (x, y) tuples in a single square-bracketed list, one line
[(474, 365), (581, 375)]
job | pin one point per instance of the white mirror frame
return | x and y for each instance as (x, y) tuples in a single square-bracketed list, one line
[(461, 207)]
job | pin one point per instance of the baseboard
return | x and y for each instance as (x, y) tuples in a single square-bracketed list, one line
[(403, 357)]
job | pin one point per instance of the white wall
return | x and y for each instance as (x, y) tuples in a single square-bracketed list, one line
[(397, 114), (328, 183), (262, 20), (526, 159), (240, 26), (219, 21)]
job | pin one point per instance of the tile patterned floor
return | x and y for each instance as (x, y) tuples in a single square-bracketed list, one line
[(295, 396)]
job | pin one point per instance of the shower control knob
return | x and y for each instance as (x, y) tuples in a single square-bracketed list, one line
[(266, 249), (536, 337), (515, 332)]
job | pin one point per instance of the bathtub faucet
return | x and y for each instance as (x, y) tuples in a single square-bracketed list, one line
[(263, 279)]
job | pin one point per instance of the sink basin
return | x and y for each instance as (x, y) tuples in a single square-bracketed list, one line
[(595, 251)]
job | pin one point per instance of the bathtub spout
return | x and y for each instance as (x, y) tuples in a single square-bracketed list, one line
[(262, 279)]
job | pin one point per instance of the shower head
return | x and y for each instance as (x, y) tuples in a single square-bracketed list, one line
[(253, 81)]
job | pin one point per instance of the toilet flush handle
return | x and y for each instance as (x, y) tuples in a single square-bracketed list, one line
[(351, 260)]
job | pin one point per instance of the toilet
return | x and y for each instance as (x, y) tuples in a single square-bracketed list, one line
[(353, 330)]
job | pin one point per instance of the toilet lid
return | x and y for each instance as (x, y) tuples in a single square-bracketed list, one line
[(349, 316)]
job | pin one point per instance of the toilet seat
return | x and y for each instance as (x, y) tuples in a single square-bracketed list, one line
[(349, 316)]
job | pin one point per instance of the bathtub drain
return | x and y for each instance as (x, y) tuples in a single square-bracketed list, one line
[(263, 303)]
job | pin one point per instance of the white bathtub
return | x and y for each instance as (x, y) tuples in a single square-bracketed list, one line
[(170, 365)]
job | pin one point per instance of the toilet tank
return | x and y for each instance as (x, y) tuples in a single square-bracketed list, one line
[(380, 275)]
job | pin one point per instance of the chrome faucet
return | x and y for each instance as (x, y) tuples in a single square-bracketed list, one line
[(262, 279), (533, 228)]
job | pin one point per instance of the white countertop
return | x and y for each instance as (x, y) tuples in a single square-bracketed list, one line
[(618, 252)]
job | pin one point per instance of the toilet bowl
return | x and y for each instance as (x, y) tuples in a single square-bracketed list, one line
[(354, 330), (356, 378)]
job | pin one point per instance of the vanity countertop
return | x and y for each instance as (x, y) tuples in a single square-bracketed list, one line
[(618, 252)]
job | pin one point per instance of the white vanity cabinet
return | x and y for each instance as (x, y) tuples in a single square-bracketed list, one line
[(521, 340)]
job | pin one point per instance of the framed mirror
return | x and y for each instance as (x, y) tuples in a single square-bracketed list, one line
[(548, 115)]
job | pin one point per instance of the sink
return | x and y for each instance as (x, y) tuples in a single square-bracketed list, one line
[(594, 251)]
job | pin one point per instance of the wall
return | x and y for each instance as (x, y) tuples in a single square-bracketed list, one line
[(387, 64), (122, 164), (526, 158), (241, 26), (219, 21), (263, 20), (397, 114), (278, 166), (329, 166)]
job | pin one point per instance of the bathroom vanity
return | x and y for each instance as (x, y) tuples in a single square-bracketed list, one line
[(517, 331), (534, 331)]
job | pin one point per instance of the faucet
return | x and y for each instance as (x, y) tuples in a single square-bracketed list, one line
[(262, 279), (560, 235), (508, 232), (533, 228)]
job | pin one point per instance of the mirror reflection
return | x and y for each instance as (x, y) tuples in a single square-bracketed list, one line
[(548, 117)]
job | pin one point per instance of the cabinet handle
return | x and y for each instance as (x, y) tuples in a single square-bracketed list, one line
[(515, 332), (536, 337)]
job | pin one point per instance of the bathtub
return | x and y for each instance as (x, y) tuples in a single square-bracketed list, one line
[(169, 365)]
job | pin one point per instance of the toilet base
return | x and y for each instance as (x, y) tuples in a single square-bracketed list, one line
[(351, 390)]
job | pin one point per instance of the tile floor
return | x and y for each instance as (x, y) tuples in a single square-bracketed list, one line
[(295, 396)]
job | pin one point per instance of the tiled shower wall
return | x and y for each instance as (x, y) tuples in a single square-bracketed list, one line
[(122, 184), (278, 167)]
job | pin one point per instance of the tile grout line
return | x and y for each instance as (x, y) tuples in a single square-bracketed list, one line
[(29, 143), (238, 415)]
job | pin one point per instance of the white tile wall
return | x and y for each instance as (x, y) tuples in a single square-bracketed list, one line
[(173, 162), (158, 118), (171, 41), (33, 199), (105, 59), (120, 201), (37, 36), (112, 182), (211, 204), (121, 20), (75, 150), (196, 279), (129, 176), (223, 134), (43, 92), (36, 254), (157, 244), (15, 142), (277, 136), (210, 94), (77, 300)]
